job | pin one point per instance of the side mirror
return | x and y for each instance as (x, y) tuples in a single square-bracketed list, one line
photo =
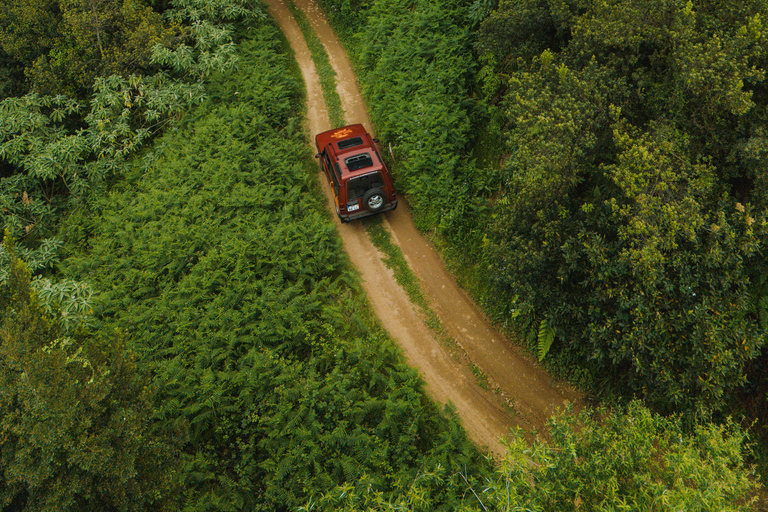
[(317, 155)]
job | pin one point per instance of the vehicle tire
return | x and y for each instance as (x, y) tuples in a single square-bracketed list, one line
[(374, 200)]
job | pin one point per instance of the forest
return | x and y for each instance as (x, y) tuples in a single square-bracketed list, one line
[(175, 335)]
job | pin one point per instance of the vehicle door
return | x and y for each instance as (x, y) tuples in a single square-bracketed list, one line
[(331, 175)]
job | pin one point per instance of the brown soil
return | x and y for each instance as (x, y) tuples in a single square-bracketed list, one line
[(525, 395)]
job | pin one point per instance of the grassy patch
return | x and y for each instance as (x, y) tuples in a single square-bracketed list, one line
[(480, 376), (394, 259), (322, 65)]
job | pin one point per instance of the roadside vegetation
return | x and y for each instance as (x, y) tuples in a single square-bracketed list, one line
[(179, 327), (594, 173)]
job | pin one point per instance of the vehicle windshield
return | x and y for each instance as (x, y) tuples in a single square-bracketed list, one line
[(357, 187), (357, 162)]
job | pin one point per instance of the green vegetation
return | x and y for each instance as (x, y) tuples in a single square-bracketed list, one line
[(179, 328), (600, 460), (394, 259), (322, 66), (61, 47), (259, 372), (58, 150), (628, 214), (631, 220), (623, 233), (74, 425), (224, 268)]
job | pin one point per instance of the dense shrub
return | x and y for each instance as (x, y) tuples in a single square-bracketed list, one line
[(632, 221)]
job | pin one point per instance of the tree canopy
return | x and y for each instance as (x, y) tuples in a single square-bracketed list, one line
[(76, 432), (628, 459), (631, 217)]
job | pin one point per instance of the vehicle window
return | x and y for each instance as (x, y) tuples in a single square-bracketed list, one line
[(331, 172), (357, 187), (349, 143), (335, 172), (356, 162)]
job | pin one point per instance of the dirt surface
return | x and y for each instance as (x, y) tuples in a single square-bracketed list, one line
[(524, 394)]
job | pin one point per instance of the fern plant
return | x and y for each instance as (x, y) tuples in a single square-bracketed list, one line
[(545, 339)]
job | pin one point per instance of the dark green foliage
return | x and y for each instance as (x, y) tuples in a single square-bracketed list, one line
[(623, 219), (55, 150), (63, 45), (218, 257), (75, 416)]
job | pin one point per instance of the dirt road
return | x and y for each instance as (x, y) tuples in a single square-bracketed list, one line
[(520, 382)]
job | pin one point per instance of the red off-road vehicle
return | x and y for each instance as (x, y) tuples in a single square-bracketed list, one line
[(359, 179)]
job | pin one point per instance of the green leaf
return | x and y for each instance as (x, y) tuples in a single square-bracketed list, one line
[(546, 338)]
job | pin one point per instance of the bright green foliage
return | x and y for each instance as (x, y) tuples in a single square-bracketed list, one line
[(45, 256), (56, 164), (207, 45), (415, 61), (218, 257), (75, 433), (600, 460), (69, 300), (415, 96), (59, 150), (546, 337)]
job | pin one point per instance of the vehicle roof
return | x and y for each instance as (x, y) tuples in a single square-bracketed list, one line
[(346, 172), (342, 134)]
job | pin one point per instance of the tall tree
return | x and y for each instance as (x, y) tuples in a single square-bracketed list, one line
[(29, 29), (95, 38), (75, 416), (631, 220)]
